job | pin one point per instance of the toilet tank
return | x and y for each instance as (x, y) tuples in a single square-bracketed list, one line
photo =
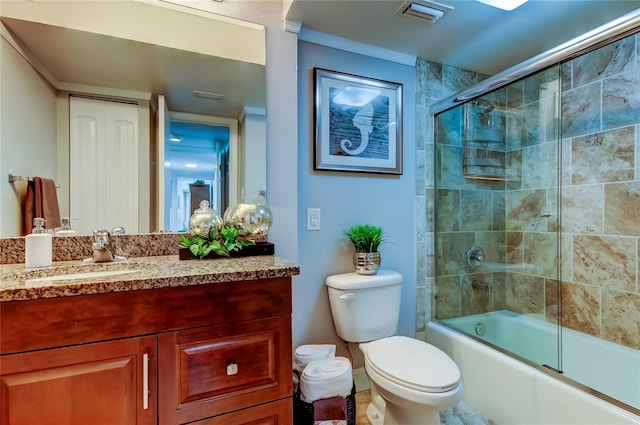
[(365, 307)]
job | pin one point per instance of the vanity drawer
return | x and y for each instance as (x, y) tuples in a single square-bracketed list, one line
[(275, 413), (217, 369)]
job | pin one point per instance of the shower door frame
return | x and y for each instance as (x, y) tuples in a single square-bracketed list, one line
[(616, 30)]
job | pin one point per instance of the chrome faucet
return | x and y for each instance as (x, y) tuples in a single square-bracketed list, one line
[(103, 249), (118, 255)]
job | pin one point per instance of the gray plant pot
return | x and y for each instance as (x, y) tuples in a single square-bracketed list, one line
[(366, 262)]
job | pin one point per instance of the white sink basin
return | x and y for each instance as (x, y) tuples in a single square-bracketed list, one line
[(85, 275)]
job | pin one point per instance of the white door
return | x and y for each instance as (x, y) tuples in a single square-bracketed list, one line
[(164, 182), (103, 171)]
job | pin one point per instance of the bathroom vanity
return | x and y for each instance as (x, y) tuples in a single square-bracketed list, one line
[(171, 342)]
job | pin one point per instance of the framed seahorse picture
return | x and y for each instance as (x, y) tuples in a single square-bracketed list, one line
[(358, 123)]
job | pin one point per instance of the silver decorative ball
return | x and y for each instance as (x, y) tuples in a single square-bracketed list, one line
[(204, 219), (254, 220)]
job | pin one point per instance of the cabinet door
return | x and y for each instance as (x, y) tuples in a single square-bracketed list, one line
[(99, 384), (218, 369)]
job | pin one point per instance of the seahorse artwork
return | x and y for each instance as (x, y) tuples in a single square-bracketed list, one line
[(362, 121)]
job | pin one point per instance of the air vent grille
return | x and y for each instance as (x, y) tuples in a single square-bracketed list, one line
[(427, 11), (207, 95)]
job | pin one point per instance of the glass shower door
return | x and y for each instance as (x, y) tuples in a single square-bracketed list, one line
[(497, 219)]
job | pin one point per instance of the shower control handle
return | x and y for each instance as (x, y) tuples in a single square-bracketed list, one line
[(475, 256)]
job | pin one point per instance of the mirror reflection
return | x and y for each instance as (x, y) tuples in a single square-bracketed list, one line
[(127, 171), (196, 169)]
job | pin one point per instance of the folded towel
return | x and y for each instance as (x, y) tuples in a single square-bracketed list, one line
[(41, 201), (307, 353), (326, 378), (330, 409)]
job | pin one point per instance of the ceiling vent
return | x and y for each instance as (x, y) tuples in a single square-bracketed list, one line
[(207, 95), (427, 11)]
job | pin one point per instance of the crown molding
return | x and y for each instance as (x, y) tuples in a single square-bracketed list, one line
[(293, 26)]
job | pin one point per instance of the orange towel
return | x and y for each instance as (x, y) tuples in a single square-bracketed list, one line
[(41, 201)]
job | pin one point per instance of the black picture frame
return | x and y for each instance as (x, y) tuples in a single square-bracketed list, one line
[(358, 123)]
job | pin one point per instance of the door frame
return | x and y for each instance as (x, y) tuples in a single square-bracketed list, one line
[(233, 180)]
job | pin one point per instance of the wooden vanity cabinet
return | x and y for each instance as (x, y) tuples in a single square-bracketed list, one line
[(210, 354)]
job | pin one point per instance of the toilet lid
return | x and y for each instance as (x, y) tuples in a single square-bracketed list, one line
[(413, 364)]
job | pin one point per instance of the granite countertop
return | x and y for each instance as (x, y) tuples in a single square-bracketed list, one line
[(19, 283)]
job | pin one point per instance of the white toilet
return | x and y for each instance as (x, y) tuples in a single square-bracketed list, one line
[(411, 381)]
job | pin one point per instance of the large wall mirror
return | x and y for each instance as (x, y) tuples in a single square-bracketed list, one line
[(194, 86)]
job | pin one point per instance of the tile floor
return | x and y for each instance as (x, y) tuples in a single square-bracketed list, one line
[(364, 397), (362, 400)]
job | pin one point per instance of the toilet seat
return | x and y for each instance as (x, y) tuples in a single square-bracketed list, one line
[(413, 364)]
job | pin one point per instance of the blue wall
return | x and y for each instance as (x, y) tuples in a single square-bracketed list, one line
[(350, 198)]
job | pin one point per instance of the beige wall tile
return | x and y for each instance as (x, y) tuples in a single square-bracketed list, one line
[(581, 308), (448, 297), (525, 209), (498, 292), (514, 248), (567, 257), (525, 294), (451, 249), (621, 317), (540, 253), (476, 293), (539, 166), (447, 217), (622, 208), (605, 261), (476, 210), (582, 209), (493, 245), (603, 157)]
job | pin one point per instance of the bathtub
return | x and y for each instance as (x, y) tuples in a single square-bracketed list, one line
[(510, 391)]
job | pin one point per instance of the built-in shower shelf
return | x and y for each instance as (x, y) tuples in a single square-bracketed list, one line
[(485, 152), (485, 135), (486, 164), (491, 177)]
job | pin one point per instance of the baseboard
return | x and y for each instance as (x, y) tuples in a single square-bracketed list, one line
[(361, 379)]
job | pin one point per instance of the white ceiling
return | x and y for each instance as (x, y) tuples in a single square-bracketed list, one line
[(81, 58), (473, 36)]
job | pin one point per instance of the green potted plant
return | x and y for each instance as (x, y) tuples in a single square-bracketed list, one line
[(366, 239), (222, 242)]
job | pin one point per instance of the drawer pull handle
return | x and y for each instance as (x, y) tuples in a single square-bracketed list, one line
[(145, 381), (232, 369)]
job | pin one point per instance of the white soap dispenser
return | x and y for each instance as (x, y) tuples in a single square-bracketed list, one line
[(38, 246), (65, 228)]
